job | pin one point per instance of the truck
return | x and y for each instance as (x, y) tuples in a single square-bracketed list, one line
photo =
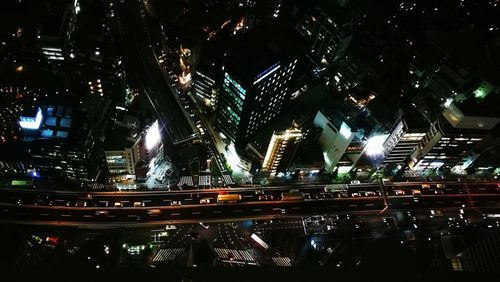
[(228, 198)]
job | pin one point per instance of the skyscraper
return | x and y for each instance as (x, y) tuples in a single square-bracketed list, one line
[(257, 81), (281, 150)]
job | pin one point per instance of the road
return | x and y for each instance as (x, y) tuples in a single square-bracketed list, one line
[(156, 207), (140, 56)]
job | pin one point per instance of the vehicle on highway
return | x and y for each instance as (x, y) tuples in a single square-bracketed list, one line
[(343, 195), (138, 204), (355, 182), (118, 205), (439, 185), (427, 186), (205, 201), (369, 193), (175, 203), (355, 194), (228, 198), (438, 192), (102, 203), (416, 192), (292, 196), (266, 197), (101, 212), (399, 192), (80, 203), (154, 212)]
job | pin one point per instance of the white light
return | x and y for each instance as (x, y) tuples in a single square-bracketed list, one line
[(374, 146), (153, 136), (345, 130), (267, 74), (232, 157), (30, 122)]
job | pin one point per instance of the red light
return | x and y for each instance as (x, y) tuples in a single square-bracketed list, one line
[(52, 240)]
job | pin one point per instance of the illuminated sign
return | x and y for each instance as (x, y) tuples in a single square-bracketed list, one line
[(153, 136)]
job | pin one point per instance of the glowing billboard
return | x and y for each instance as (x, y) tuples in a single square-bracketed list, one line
[(153, 136)]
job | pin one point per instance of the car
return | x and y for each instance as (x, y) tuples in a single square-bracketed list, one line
[(138, 204), (154, 212), (440, 185), (438, 192), (205, 201), (416, 192), (370, 193), (266, 197), (355, 195), (175, 203), (102, 204), (427, 186), (399, 192), (342, 195), (118, 205), (355, 182), (101, 212), (80, 203)]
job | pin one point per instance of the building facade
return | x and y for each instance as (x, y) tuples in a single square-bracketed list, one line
[(281, 150)]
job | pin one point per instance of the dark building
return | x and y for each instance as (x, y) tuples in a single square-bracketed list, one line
[(257, 81)]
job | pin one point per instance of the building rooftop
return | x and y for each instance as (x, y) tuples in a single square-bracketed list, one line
[(263, 47)]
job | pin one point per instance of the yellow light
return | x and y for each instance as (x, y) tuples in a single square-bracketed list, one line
[(20, 68)]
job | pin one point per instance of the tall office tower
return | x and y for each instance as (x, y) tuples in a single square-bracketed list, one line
[(59, 143), (404, 138), (281, 150), (257, 81), (121, 146), (335, 138), (482, 257), (328, 27), (452, 137)]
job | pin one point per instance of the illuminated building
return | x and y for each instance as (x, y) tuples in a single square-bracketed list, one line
[(403, 140), (58, 143), (281, 150), (328, 27), (450, 141), (334, 139), (122, 149), (257, 80)]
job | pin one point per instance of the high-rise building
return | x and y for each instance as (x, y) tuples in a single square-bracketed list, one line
[(483, 256), (403, 139), (451, 139), (59, 144), (328, 26), (122, 149), (281, 150), (257, 81), (334, 139)]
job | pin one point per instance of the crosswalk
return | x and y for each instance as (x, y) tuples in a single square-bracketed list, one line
[(282, 261), (188, 180), (228, 179), (204, 180), (237, 255), (168, 254)]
